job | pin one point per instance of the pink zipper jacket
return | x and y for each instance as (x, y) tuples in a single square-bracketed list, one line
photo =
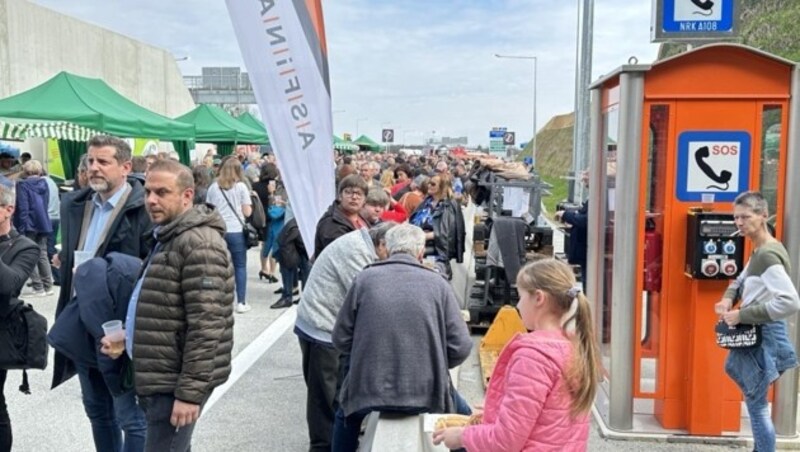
[(527, 406)]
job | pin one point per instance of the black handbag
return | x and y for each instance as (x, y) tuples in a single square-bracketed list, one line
[(737, 337), (251, 236)]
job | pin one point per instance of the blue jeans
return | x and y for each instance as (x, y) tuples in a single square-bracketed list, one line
[(111, 415), (761, 421), (289, 276), (238, 249), (347, 428)]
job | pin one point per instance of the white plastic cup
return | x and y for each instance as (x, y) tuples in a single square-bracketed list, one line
[(113, 329), (115, 335)]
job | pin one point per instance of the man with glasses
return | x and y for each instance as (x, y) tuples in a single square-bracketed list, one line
[(343, 215)]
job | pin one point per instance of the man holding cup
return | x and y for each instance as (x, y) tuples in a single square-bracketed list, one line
[(107, 216), (179, 327)]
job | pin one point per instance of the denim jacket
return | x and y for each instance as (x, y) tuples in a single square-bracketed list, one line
[(754, 369)]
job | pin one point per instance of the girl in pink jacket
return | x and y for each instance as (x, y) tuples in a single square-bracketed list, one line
[(544, 383)]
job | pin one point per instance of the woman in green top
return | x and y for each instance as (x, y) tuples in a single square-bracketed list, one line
[(767, 297)]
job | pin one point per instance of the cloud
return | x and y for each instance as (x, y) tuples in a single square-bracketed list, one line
[(415, 66)]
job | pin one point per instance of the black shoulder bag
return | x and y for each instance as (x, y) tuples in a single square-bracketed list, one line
[(739, 336), (23, 337), (250, 233)]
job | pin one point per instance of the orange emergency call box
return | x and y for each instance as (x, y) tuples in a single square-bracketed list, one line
[(681, 136)]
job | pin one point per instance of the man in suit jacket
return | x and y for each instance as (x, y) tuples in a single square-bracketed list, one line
[(107, 216)]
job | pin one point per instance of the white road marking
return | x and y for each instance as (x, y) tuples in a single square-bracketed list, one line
[(255, 350)]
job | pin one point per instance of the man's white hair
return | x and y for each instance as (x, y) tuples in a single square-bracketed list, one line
[(8, 196), (405, 238)]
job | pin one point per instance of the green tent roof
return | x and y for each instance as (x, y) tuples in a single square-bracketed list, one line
[(215, 125), (367, 142), (92, 104), (341, 145), (253, 122)]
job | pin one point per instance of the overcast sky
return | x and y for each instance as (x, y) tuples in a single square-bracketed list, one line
[(421, 67)]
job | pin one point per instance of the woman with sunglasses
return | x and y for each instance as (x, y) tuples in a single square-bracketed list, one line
[(439, 215)]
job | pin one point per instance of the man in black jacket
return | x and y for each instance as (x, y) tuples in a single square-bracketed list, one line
[(18, 256), (578, 219), (107, 216)]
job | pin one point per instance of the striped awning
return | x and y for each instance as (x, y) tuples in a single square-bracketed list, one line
[(346, 147), (59, 130)]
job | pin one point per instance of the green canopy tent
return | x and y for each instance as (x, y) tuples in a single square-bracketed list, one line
[(368, 144), (253, 122), (344, 146), (214, 125), (90, 106)]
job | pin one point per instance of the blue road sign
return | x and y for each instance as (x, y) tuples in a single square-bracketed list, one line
[(496, 133), (698, 16), (712, 162)]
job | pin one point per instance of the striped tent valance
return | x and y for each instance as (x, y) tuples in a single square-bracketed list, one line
[(347, 147), (57, 130)]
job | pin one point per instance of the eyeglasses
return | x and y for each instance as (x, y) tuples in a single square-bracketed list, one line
[(353, 193)]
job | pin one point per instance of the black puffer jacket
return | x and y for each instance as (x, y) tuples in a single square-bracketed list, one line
[(184, 317)]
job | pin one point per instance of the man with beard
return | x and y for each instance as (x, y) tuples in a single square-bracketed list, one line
[(179, 326), (107, 216)]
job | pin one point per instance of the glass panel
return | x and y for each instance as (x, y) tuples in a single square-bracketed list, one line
[(770, 154), (610, 139), (653, 249)]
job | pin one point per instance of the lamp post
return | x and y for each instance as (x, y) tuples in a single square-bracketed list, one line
[(535, 66)]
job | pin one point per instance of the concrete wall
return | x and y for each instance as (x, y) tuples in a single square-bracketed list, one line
[(37, 43)]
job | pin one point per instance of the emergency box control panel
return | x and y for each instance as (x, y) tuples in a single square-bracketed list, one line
[(714, 248)]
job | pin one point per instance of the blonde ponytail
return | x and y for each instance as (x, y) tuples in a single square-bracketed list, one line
[(584, 370)]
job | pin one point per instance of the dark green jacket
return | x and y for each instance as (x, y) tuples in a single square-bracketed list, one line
[(184, 317)]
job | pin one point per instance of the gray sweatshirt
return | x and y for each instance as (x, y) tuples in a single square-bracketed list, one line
[(764, 286), (329, 280)]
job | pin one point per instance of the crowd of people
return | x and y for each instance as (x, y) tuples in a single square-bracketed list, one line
[(162, 249)]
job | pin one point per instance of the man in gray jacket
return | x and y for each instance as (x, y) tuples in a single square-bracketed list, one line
[(402, 329), (323, 296)]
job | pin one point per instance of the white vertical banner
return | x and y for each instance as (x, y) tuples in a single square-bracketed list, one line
[(284, 50)]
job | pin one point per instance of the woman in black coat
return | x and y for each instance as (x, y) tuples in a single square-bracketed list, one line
[(18, 256), (439, 215)]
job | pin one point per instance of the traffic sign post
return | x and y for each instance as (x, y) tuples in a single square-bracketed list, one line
[(388, 135), (694, 20), (497, 145)]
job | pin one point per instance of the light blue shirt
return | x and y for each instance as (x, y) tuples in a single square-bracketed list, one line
[(130, 316), (100, 217)]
